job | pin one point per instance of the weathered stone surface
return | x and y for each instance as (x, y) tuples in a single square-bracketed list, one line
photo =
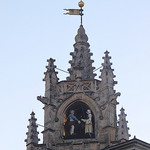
[(32, 134), (81, 64), (82, 93), (122, 126)]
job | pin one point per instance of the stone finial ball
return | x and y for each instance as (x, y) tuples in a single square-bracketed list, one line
[(81, 4)]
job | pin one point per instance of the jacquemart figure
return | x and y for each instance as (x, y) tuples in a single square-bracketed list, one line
[(72, 119), (88, 122)]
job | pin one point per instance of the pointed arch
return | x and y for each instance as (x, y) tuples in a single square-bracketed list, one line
[(87, 102)]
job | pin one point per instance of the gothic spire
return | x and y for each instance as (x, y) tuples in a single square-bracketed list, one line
[(122, 128), (32, 134), (81, 63)]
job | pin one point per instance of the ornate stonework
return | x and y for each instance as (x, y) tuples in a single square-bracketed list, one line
[(80, 112)]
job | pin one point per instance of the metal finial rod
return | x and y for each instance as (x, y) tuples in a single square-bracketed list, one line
[(81, 14), (81, 4)]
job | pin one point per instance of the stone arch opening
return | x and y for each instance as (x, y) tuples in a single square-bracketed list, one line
[(79, 121)]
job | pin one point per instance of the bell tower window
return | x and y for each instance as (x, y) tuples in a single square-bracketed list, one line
[(78, 121)]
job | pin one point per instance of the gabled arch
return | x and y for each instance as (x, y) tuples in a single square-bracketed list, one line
[(80, 97)]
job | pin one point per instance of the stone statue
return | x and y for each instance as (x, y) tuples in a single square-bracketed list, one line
[(88, 122)]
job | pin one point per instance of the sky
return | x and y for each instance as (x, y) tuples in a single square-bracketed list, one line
[(33, 31)]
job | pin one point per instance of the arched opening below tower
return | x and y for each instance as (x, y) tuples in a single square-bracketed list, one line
[(78, 121)]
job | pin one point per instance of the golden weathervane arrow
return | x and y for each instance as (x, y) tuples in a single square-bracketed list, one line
[(76, 11)]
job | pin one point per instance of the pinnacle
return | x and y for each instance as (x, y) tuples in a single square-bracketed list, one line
[(107, 74), (106, 52), (106, 55), (122, 128), (81, 35), (81, 63), (122, 109), (32, 134), (50, 68), (51, 81), (51, 65), (32, 113)]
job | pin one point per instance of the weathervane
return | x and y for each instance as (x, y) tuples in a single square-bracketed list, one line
[(76, 11)]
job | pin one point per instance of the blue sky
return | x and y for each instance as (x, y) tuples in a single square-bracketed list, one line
[(32, 31)]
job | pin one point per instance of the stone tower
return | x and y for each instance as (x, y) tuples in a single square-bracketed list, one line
[(92, 102), (80, 112)]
